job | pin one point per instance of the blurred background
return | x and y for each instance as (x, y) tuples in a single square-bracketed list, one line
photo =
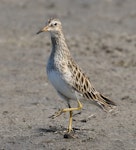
[(101, 35)]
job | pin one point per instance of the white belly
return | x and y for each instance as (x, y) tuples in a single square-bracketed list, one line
[(60, 85)]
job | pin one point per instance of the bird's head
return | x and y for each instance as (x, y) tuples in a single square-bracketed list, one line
[(53, 26)]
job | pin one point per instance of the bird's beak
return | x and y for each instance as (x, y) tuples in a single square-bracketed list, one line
[(43, 30)]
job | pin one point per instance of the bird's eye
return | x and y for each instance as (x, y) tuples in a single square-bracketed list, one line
[(55, 24)]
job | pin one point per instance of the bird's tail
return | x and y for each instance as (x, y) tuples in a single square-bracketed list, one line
[(104, 102)]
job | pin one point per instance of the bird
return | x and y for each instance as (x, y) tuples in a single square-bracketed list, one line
[(70, 82)]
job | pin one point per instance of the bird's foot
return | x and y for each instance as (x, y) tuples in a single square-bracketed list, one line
[(69, 134), (56, 114)]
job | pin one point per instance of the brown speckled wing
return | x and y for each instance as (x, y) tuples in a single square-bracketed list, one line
[(81, 82), (83, 86)]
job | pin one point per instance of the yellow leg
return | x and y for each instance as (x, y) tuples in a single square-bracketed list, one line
[(67, 110), (70, 112), (70, 122)]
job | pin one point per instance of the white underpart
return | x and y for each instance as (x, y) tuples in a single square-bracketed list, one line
[(60, 85)]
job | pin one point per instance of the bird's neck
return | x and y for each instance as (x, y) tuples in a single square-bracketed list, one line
[(59, 46)]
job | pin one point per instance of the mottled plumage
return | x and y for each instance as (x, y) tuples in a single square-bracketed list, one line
[(67, 77)]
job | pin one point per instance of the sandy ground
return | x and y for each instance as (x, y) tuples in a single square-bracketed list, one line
[(101, 35)]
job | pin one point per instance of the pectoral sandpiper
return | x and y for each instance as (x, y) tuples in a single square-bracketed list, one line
[(66, 76)]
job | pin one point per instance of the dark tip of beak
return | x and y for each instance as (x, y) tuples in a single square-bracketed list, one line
[(40, 31)]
